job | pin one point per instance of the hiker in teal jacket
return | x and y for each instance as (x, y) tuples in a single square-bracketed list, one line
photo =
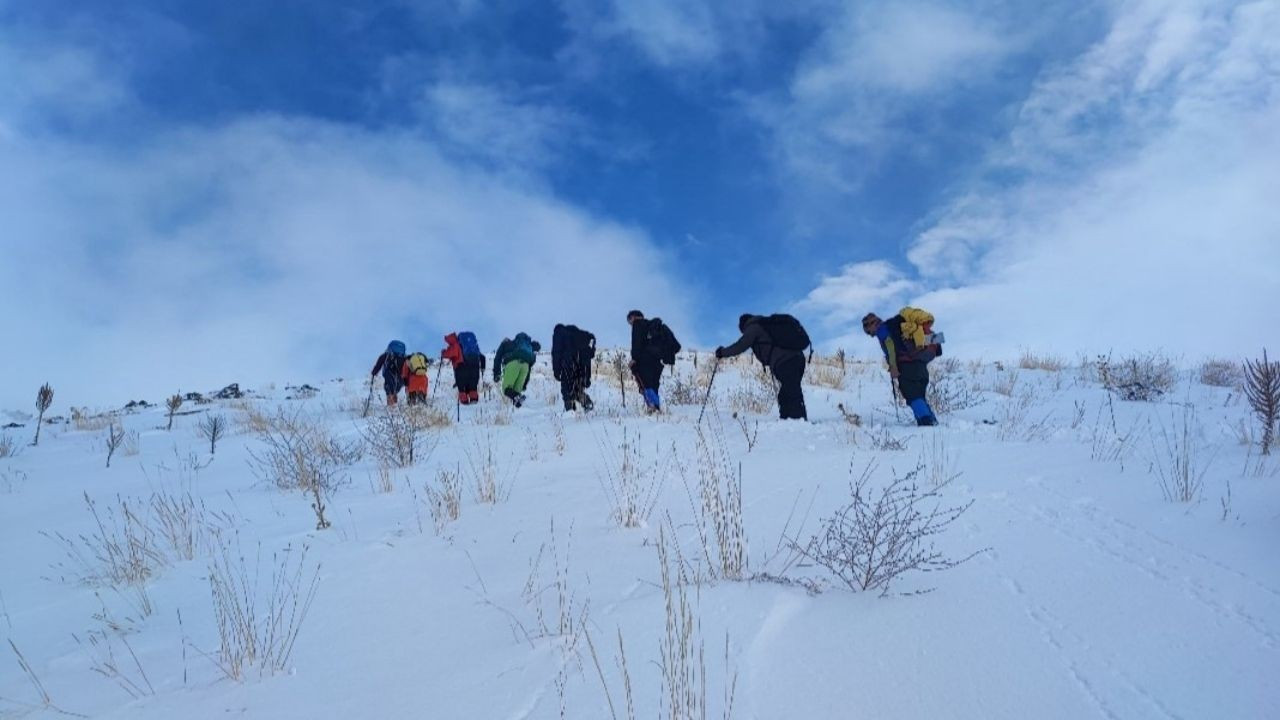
[(511, 365)]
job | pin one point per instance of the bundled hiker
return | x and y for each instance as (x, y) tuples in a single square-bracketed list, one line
[(391, 365), (414, 373), (909, 344), (511, 365), (463, 351), (779, 342), (652, 345), (572, 350)]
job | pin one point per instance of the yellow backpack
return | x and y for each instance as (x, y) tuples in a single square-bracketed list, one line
[(917, 324), (418, 364)]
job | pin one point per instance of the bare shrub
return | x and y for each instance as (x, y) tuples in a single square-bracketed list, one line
[(1221, 373), (186, 525), (1107, 442), (1035, 361), (113, 440), (948, 393), (122, 551), (557, 434), (400, 438), (171, 405), (1018, 422), (878, 537), (719, 516), (682, 389), (882, 439), (824, 375), (1140, 377), (1005, 383), (299, 454), (937, 461), (1262, 388), (755, 394), (84, 421), (44, 399), (631, 482), (252, 418), (212, 428), (491, 479), (8, 446), (259, 625), (444, 497), (1178, 465), (101, 646), (682, 651)]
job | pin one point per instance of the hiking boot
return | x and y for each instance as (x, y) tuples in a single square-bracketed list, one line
[(587, 405), (927, 421), (570, 406), (518, 399)]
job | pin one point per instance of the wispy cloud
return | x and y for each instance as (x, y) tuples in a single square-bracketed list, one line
[(1139, 215)]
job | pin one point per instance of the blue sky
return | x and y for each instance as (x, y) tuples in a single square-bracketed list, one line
[(273, 190)]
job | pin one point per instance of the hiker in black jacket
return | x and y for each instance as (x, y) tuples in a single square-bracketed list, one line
[(572, 350), (652, 345), (787, 365)]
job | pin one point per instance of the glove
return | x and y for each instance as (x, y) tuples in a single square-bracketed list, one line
[(720, 352)]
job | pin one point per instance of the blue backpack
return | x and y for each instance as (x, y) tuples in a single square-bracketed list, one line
[(394, 360), (470, 346)]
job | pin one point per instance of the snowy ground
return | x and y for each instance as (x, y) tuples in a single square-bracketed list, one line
[(1090, 595)]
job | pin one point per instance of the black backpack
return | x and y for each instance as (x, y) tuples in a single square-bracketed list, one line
[(662, 340), (584, 343), (785, 332)]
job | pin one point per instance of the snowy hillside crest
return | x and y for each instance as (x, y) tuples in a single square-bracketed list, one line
[(308, 551)]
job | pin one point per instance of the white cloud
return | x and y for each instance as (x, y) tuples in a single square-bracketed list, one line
[(1144, 217), (498, 127), (841, 300), (282, 249)]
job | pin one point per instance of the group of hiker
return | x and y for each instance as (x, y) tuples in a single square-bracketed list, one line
[(778, 341)]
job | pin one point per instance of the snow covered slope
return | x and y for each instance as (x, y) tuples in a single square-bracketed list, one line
[(1090, 594)]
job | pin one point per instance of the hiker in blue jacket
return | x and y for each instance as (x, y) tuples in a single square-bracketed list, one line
[(391, 364)]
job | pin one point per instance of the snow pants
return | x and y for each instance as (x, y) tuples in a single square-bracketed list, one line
[(573, 389), (466, 378), (913, 383), (789, 373), (515, 376), (648, 375)]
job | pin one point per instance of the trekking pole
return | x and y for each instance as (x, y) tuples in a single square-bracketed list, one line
[(893, 393), (707, 397), (368, 400), (439, 369)]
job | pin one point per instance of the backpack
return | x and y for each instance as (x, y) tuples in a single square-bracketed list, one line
[(393, 360), (784, 331), (470, 346), (522, 349), (584, 344), (917, 326), (663, 341), (418, 364)]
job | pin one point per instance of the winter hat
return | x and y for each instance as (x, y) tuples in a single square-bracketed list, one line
[(743, 319)]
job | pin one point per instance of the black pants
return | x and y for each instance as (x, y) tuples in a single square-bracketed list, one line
[(648, 373), (913, 380), (573, 389), (790, 397), (466, 376), (392, 383)]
